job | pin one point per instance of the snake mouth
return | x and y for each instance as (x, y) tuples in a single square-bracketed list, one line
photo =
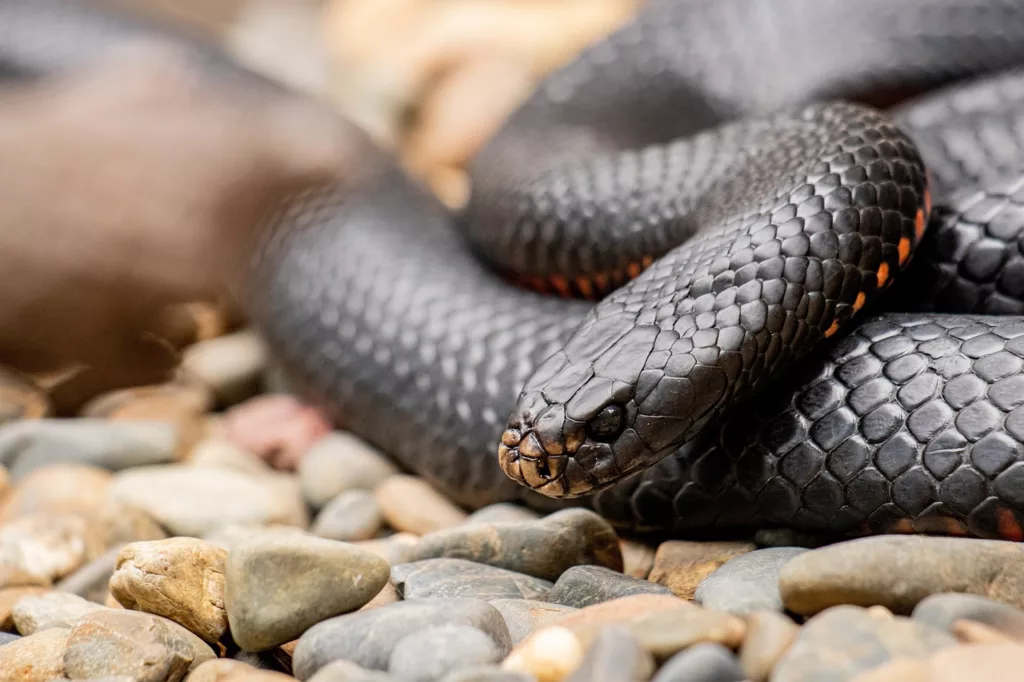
[(524, 461)]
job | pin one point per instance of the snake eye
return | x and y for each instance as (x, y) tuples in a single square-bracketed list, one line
[(607, 425)]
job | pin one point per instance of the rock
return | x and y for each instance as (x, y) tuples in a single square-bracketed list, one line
[(550, 655), (747, 583), (119, 524), (181, 579), (40, 548), (226, 670), (523, 616), (410, 504), (278, 428), (367, 638), (701, 663), (37, 658), (63, 488), (91, 581), (9, 597), (8, 637), (588, 585), (485, 673), (942, 610), (395, 549), (682, 565), (230, 535), (29, 445), (35, 613), (614, 656), (230, 365), (192, 501), (431, 654), (769, 636), (177, 404), (860, 572), (991, 663), (971, 632), (387, 595), (21, 398), (544, 548), (220, 453), (340, 462), (666, 633), (279, 586), (637, 558), (147, 647), (352, 516), (503, 512), (345, 671), (848, 640), (446, 578)]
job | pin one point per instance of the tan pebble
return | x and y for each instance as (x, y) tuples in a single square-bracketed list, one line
[(972, 632), (278, 428), (395, 549), (450, 185), (665, 634), (40, 548), (225, 454), (988, 662), (769, 635), (21, 397), (37, 658), (118, 524), (682, 565), (35, 613), (226, 670), (181, 579), (410, 504), (880, 612), (638, 558), (58, 488), (387, 595), (903, 670), (10, 596), (112, 603), (231, 365), (6, 486), (180, 404), (550, 655)]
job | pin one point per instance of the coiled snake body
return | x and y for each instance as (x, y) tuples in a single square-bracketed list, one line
[(810, 312)]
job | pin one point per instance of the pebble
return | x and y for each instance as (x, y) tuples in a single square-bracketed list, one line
[(682, 565), (230, 366), (340, 462), (40, 548), (410, 504), (352, 516), (991, 663), (346, 671), (747, 583), (666, 633), (769, 636), (91, 580), (637, 558), (701, 663), (230, 535), (972, 632), (487, 673), (544, 548), (395, 549), (614, 656), (192, 501), (58, 488), (181, 579), (583, 586), (6, 486), (898, 571), (226, 670), (29, 445), (119, 642), (367, 638), (35, 613), (220, 453), (447, 578), (8, 637), (523, 616), (119, 524), (942, 610), (843, 641), (432, 653), (278, 428), (387, 595), (21, 398), (550, 655), (37, 658), (278, 586), (503, 512), (177, 404), (9, 597)]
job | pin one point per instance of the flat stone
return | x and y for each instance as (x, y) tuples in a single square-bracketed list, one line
[(226, 670), (446, 578), (942, 610), (367, 638), (544, 548), (120, 642), (230, 366), (701, 663), (861, 572), (769, 636), (583, 586), (230, 535), (747, 583), (549, 655), (410, 504), (41, 548), (665, 634), (637, 558), (181, 579), (352, 516), (990, 662), (35, 613), (524, 616), (432, 653), (9, 597), (345, 671), (278, 428), (191, 501), (487, 673), (614, 656), (843, 641), (63, 488), (279, 586), (37, 658), (29, 445), (339, 462), (91, 580), (503, 512), (395, 549), (220, 453), (682, 565)]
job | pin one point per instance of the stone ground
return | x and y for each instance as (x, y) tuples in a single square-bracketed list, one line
[(215, 529)]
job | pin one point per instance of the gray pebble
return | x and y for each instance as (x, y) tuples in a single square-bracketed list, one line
[(614, 656), (942, 610), (8, 637), (747, 583), (488, 673), (35, 613), (583, 586), (433, 653), (368, 637), (524, 616), (338, 462), (352, 516), (447, 578), (346, 671), (91, 581), (702, 663), (503, 512)]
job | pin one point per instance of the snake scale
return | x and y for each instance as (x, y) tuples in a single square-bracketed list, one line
[(702, 281)]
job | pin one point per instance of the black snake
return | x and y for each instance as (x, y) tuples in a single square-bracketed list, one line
[(716, 175)]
